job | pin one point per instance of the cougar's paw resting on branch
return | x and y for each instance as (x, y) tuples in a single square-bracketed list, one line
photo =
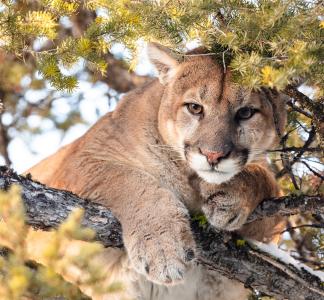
[(226, 211), (163, 255), (227, 206)]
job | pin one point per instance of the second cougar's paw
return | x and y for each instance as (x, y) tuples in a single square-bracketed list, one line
[(163, 254), (226, 211)]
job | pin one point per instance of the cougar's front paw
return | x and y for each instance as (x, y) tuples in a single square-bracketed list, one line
[(226, 211), (162, 254)]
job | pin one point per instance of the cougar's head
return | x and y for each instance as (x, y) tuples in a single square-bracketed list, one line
[(215, 125)]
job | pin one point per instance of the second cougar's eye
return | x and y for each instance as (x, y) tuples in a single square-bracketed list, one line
[(194, 108)]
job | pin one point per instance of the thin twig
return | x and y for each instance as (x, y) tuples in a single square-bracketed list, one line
[(297, 149), (302, 226), (312, 170), (298, 109)]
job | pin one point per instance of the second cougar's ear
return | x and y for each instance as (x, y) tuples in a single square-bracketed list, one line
[(164, 61)]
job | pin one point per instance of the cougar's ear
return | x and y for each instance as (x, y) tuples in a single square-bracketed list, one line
[(280, 111), (164, 61), (278, 103)]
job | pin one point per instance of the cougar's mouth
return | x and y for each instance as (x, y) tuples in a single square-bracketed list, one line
[(219, 173)]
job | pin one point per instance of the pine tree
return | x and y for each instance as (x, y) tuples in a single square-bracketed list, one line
[(269, 43)]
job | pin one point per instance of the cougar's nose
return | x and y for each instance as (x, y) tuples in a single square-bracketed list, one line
[(214, 157)]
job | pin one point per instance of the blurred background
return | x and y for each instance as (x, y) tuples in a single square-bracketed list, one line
[(38, 119)]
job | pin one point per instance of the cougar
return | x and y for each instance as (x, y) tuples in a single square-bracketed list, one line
[(191, 141)]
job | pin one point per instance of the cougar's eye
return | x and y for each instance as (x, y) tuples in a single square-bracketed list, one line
[(194, 108), (245, 113)]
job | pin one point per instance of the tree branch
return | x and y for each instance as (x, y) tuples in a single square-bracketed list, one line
[(4, 141), (288, 206), (118, 76), (46, 208), (315, 107), (4, 138), (288, 164)]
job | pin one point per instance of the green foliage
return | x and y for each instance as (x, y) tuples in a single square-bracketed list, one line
[(18, 279), (240, 243), (271, 43), (201, 219), (22, 23)]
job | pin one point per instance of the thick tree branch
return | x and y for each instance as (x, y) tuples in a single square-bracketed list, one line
[(47, 208)]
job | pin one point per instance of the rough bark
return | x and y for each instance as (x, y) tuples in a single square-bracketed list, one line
[(47, 208), (288, 206)]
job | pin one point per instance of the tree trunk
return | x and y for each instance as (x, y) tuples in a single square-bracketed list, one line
[(223, 252)]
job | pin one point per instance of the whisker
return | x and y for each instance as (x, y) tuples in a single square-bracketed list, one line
[(167, 147)]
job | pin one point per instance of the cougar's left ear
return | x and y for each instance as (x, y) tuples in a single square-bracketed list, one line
[(164, 61), (278, 103)]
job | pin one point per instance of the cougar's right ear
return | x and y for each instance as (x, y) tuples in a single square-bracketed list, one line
[(164, 61)]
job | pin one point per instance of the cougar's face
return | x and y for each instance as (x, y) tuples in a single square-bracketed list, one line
[(214, 125)]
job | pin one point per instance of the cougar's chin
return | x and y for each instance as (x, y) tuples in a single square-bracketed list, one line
[(214, 176)]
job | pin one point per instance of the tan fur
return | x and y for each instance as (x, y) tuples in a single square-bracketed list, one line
[(144, 161)]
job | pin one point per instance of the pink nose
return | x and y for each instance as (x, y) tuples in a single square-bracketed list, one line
[(212, 156)]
